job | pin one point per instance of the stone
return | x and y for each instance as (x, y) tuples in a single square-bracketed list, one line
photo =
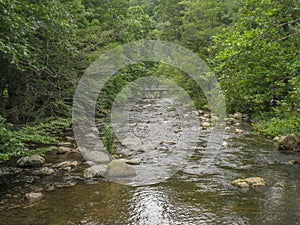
[(227, 128), (229, 121), (168, 142), (117, 168), (65, 164), (293, 162), (95, 171), (31, 161), (131, 161), (278, 138), (97, 157), (249, 182), (225, 144), (206, 124), (64, 150), (33, 196), (238, 131), (290, 142), (131, 142), (45, 171), (238, 116), (177, 131)]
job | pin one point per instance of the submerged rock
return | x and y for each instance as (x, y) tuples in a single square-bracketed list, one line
[(64, 150), (117, 168), (31, 161), (33, 196), (146, 147), (131, 142), (95, 171), (97, 157), (45, 171), (290, 142), (131, 161), (65, 164), (249, 182)]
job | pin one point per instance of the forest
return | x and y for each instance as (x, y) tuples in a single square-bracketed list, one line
[(252, 46)]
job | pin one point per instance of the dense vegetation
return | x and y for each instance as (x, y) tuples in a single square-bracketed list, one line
[(45, 46)]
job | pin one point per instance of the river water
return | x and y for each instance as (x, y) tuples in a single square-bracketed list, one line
[(186, 197)]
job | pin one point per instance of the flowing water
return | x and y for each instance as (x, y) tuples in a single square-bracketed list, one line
[(184, 198)]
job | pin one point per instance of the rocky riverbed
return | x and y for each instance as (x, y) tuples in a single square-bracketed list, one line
[(63, 188)]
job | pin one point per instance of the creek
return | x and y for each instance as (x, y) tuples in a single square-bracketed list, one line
[(181, 197)]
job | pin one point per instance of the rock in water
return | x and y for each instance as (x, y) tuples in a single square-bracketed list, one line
[(98, 157), (33, 196), (95, 171), (238, 131), (131, 161), (238, 116), (45, 171), (131, 142), (64, 150), (290, 142), (117, 168), (247, 182), (31, 161)]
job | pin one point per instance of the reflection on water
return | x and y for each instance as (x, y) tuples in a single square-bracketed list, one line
[(185, 198)]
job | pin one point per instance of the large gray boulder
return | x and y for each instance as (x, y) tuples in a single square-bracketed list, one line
[(97, 157), (95, 171), (117, 168), (31, 161), (290, 142), (134, 142)]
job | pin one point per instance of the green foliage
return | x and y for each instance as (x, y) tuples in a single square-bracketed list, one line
[(29, 139), (277, 126), (257, 63), (109, 139)]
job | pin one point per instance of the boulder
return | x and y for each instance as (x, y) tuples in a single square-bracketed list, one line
[(97, 157), (117, 168), (31, 161), (290, 142), (131, 142), (249, 182), (33, 196), (95, 171)]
